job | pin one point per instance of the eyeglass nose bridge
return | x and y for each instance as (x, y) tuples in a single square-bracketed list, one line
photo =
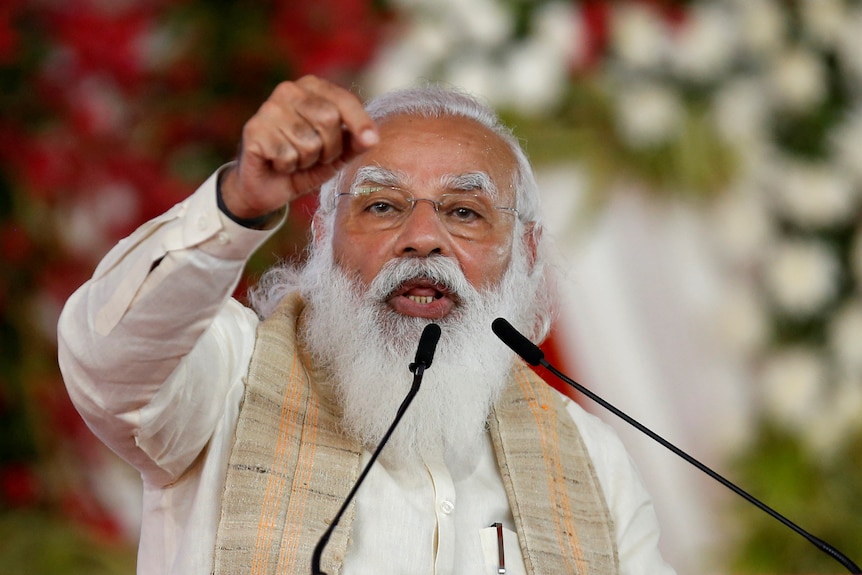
[(407, 215), (434, 203)]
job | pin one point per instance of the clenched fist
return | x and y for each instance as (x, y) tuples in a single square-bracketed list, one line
[(299, 138)]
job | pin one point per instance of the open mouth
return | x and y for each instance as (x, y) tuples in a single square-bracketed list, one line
[(422, 290), (422, 297)]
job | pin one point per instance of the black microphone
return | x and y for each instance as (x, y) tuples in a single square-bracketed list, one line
[(425, 350), (531, 353), (424, 355)]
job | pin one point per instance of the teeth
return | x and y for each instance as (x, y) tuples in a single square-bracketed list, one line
[(423, 299)]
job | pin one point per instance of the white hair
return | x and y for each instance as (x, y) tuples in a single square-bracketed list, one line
[(433, 102)]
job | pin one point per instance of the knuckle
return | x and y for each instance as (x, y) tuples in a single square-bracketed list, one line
[(286, 162), (328, 115), (268, 108), (250, 133), (286, 90), (310, 80), (304, 134)]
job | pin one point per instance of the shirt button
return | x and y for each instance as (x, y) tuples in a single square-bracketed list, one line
[(202, 223), (222, 238), (447, 507)]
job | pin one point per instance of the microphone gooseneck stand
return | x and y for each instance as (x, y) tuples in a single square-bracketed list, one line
[(424, 355), (531, 353)]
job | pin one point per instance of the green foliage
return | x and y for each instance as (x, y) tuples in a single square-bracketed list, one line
[(694, 163), (824, 497), (34, 542)]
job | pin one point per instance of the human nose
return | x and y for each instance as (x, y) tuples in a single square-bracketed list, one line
[(422, 233)]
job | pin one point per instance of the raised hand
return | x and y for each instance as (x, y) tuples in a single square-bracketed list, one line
[(299, 138)]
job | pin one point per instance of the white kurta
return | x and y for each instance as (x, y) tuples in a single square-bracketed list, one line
[(156, 361)]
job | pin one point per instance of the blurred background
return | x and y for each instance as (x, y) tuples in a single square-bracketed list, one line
[(701, 167)]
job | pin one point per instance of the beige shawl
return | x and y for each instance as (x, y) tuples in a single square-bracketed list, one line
[(291, 468)]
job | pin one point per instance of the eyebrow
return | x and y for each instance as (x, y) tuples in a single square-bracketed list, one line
[(467, 182), (471, 182), (377, 175)]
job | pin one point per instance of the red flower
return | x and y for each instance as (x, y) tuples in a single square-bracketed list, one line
[(107, 41), (83, 507), (327, 37), (596, 16), (16, 246), (48, 162), (9, 36), (19, 485)]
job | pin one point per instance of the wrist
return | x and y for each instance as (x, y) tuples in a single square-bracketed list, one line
[(256, 223)]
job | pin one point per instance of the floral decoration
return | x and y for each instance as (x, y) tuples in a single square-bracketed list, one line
[(112, 112), (749, 109)]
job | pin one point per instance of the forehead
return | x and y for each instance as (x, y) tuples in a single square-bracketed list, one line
[(427, 150)]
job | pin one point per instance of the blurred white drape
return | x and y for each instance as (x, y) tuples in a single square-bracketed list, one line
[(639, 291)]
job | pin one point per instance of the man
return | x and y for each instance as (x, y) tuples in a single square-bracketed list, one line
[(248, 434)]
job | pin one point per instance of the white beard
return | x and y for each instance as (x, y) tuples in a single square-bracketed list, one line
[(367, 347)]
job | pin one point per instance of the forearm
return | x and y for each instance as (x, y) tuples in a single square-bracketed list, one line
[(128, 329)]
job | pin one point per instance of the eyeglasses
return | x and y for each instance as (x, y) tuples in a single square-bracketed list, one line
[(465, 214)]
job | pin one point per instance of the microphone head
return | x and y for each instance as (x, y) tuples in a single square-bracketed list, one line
[(427, 345), (529, 351)]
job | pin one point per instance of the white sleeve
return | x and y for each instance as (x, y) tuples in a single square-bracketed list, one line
[(634, 515), (149, 346)]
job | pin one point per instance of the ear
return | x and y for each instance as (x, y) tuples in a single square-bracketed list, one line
[(532, 236)]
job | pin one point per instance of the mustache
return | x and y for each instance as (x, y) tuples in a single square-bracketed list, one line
[(441, 270)]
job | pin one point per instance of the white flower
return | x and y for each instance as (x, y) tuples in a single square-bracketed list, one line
[(486, 23), (742, 224), (742, 320), (535, 70), (705, 45), (822, 20), (814, 195), (791, 385), (648, 114), (86, 227), (797, 80), (835, 422), (740, 112), (638, 36), (431, 38), (849, 46), (474, 73), (556, 25), (161, 45), (535, 77), (845, 338), (763, 26), (99, 100), (802, 276), (414, 55)]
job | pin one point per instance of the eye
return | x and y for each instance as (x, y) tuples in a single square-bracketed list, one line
[(464, 210), (381, 207), (464, 214), (380, 201)]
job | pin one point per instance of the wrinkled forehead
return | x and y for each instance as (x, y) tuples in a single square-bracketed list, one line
[(447, 183), (422, 151)]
